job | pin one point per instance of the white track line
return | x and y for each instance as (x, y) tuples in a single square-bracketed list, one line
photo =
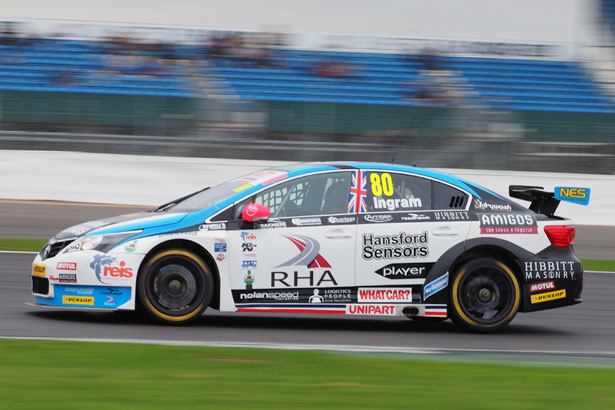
[(324, 347), (23, 252)]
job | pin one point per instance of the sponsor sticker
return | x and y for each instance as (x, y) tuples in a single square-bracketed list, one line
[(248, 246), (435, 286), (107, 267), (66, 266), (378, 218), (405, 270), (272, 296), (415, 217), (219, 245), (272, 225), (371, 310), (341, 219), (483, 206), (571, 194), (401, 245), (452, 216), (549, 296), (248, 236), (78, 300), (393, 204), (297, 279), (549, 270), (248, 264), (512, 223), (384, 295), (306, 221), (220, 257), (218, 226), (67, 278), (39, 270), (540, 286), (248, 279), (131, 246)]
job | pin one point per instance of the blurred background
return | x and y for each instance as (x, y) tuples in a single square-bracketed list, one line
[(512, 85)]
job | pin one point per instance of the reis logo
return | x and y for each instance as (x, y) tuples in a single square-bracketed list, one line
[(104, 269)]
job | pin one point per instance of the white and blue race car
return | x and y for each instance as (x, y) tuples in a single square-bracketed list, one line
[(325, 238)]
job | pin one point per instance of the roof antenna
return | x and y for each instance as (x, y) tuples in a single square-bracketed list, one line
[(402, 141)]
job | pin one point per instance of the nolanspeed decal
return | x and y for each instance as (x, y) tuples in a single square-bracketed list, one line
[(549, 296), (435, 286)]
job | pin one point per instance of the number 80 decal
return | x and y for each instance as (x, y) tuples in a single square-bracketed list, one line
[(381, 184)]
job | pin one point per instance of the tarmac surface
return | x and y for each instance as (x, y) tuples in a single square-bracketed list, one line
[(586, 329)]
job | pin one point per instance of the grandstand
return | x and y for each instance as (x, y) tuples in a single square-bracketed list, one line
[(399, 80)]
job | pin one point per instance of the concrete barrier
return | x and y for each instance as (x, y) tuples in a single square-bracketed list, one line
[(149, 180)]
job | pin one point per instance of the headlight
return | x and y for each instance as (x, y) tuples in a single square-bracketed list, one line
[(101, 243)]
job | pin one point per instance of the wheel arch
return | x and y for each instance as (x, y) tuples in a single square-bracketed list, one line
[(200, 251)]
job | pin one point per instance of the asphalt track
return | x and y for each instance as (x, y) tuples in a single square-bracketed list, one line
[(585, 329)]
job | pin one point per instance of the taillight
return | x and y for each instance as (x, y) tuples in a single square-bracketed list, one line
[(560, 235)]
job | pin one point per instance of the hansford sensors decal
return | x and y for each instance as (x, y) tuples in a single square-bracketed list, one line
[(401, 245)]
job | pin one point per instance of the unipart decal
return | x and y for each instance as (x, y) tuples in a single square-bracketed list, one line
[(391, 295), (370, 310), (401, 245), (549, 270), (66, 266), (540, 286), (513, 223), (549, 296), (405, 270), (483, 206)]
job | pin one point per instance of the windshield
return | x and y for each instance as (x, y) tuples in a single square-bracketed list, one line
[(225, 190)]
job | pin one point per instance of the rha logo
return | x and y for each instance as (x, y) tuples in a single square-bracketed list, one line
[(309, 254)]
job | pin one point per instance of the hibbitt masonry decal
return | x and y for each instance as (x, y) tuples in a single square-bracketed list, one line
[(549, 270)]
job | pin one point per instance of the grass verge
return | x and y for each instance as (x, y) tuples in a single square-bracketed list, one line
[(600, 265), (21, 244), (65, 375)]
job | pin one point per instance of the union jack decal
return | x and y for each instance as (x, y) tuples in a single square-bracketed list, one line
[(356, 200)]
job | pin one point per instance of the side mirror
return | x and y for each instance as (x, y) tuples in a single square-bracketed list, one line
[(255, 212)]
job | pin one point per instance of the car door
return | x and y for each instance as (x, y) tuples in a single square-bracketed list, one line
[(303, 254), (408, 222)]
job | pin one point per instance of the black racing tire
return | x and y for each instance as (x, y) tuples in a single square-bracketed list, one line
[(485, 295), (175, 286)]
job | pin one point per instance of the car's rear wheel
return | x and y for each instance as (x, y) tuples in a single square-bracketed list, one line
[(484, 296), (175, 286)]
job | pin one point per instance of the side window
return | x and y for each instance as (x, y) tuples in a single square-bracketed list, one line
[(389, 191), (447, 197), (310, 195)]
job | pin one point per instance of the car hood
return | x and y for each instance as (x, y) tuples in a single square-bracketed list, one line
[(130, 221)]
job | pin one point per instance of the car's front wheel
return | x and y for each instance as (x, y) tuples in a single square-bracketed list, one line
[(175, 286), (484, 296)]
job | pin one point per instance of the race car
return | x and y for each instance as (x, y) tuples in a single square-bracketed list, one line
[(325, 238)]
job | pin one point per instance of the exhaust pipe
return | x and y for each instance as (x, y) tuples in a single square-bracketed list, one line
[(410, 311)]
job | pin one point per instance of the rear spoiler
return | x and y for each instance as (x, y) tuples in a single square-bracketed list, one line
[(542, 202)]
